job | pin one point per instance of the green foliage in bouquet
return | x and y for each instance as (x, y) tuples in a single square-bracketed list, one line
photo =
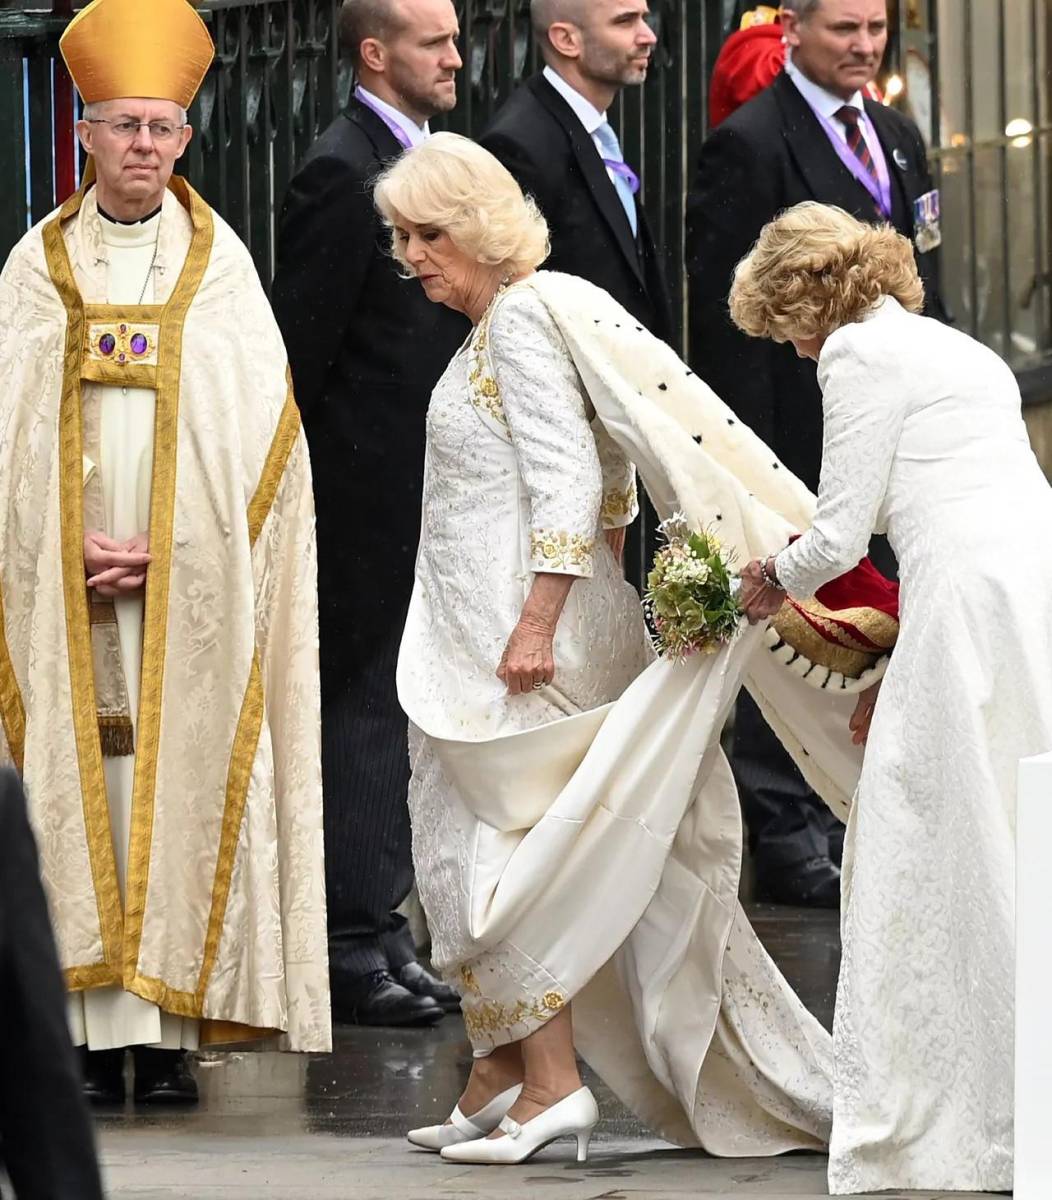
[(691, 598)]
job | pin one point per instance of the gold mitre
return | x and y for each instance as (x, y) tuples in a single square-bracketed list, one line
[(114, 50)]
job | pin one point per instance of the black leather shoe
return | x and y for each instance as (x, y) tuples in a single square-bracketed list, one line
[(163, 1077), (420, 982), (814, 883), (103, 1072), (378, 999)]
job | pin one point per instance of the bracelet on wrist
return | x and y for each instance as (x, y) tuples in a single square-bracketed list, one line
[(768, 573)]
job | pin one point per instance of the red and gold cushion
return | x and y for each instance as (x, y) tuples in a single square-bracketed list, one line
[(841, 638)]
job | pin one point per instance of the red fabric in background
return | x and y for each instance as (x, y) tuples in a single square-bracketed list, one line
[(749, 61), (862, 587)]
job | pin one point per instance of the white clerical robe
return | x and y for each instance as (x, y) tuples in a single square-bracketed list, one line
[(111, 1017), (170, 748)]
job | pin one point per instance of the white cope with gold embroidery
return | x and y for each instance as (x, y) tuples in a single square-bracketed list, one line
[(221, 913)]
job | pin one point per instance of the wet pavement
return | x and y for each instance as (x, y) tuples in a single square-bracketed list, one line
[(289, 1127)]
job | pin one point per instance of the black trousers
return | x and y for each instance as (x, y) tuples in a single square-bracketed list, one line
[(46, 1141), (368, 852), (786, 822)]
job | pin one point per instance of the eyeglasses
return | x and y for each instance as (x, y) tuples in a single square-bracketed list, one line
[(160, 131)]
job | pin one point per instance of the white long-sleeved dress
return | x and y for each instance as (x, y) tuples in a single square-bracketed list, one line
[(518, 480), (924, 440)]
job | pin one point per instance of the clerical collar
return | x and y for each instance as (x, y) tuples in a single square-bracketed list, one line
[(138, 221)]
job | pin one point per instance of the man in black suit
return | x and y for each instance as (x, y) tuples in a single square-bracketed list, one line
[(46, 1142), (809, 136), (366, 348), (553, 136)]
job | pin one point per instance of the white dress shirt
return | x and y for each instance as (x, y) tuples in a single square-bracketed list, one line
[(589, 116), (415, 133), (827, 104)]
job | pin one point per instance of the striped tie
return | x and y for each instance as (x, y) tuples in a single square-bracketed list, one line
[(856, 142)]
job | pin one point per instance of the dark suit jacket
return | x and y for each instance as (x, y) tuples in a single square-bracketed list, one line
[(542, 142), (770, 154), (46, 1139), (366, 349)]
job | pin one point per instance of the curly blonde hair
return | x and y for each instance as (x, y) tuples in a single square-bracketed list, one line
[(816, 268), (451, 183)]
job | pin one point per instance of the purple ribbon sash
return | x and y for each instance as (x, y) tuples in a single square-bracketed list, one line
[(879, 188), (399, 133), (625, 172)]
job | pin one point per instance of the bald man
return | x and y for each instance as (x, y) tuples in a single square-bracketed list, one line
[(554, 137), (366, 348)]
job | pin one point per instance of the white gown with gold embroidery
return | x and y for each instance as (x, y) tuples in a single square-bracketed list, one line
[(519, 480)]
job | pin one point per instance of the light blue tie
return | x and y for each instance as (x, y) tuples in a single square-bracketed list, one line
[(612, 151)]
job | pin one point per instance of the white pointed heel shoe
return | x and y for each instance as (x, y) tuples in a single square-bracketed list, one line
[(574, 1116), (466, 1129)]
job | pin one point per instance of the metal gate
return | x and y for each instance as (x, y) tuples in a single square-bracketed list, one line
[(278, 80)]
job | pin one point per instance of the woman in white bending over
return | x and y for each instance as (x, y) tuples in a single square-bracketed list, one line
[(924, 440)]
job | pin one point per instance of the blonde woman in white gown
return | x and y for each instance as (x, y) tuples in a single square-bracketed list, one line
[(576, 830), (924, 440)]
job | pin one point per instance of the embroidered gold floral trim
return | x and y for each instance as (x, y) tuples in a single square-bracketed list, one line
[(485, 392), (557, 550), (484, 1019), (619, 503)]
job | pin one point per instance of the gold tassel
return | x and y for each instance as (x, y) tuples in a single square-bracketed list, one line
[(117, 737)]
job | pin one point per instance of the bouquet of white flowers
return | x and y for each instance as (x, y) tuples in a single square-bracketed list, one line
[(691, 597)]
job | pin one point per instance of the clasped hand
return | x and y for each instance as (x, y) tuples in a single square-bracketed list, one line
[(115, 568), (758, 599)]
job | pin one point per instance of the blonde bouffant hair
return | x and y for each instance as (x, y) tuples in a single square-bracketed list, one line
[(816, 268), (452, 184)]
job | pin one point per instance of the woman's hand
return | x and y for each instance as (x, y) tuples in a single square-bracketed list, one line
[(862, 717), (528, 662), (758, 599)]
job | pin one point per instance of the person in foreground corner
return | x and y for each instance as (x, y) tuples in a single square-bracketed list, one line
[(924, 440), (158, 606), (46, 1144), (576, 830)]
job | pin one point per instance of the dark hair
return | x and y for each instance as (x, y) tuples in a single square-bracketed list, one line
[(361, 19)]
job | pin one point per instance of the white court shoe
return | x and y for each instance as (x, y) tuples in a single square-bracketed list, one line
[(574, 1116), (466, 1129)]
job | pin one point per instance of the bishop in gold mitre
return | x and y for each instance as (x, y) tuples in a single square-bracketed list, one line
[(158, 611)]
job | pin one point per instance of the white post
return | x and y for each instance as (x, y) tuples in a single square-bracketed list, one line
[(1033, 981)]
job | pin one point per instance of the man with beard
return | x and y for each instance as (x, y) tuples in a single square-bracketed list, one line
[(366, 348), (811, 135), (554, 137)]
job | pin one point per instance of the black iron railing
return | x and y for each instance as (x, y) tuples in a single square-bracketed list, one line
[(278, 80)]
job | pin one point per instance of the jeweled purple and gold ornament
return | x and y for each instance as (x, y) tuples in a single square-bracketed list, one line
[(107, 344), (139, 344)]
